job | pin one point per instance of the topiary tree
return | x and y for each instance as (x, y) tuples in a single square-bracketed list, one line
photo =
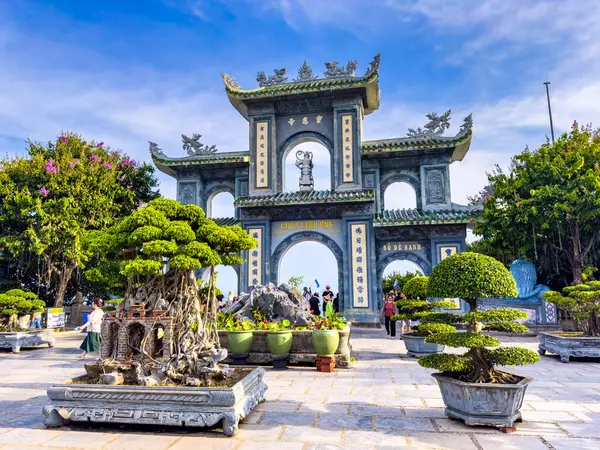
[(15, 303), (583, 302), (416, 307), (158, 248), (397, 278), (471, 276)]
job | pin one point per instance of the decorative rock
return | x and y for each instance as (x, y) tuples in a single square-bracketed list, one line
[(111, 379), (148, 381)]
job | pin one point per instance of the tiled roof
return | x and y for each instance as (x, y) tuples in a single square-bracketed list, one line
[(226, 221), (171, 165), (415, 216), (299, 198)]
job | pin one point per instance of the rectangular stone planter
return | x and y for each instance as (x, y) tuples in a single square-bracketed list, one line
[(29, 338), (568, 346), (176, 406), (496, 405), (416, 346), (302, 350)]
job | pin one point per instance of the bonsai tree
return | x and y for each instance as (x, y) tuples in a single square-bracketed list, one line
[(157, 249), (416, 307), (583, 302), (471, 276), (15, 303)]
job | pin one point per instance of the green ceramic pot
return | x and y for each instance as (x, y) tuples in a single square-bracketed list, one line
[(239, 342), (325, 342), (279, 342)]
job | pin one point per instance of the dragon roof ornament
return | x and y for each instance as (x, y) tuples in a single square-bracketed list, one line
[(435, 127), (155, 150), (194, 147)]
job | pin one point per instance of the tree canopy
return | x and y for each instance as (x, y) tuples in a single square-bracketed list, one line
[(547, 207), (400, 277), (55, 194)]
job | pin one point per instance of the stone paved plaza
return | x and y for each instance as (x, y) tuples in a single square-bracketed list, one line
[(385, 402)]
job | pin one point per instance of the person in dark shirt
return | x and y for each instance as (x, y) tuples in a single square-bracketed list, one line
[(336, 303), (327, 297), (314, 304)]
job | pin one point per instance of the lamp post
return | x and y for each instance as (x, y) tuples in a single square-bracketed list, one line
[(547, 83)]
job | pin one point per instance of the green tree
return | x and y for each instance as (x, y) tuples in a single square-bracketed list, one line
[(583, 302), (470, 276), (155, 252), (389, 280), (50, 198), (547, 207), (14, 303), (295, 281)]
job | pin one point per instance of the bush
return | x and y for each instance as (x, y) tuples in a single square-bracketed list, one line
[(470, 276), (398, 278), (17, 302), (416, 288), (583, 302)]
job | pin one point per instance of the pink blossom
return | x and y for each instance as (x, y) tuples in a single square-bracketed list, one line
[(95, 159), (71, 165), (44, 191), (118, 167), (108, 166), (122, 179), (100, 144), (50, 167), (62, 139), (129, 186)]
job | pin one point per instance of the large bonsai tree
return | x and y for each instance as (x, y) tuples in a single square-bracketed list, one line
[(50, 198), (15, 303), (583, 302), (470, 276), (157, 250), (416, 307)]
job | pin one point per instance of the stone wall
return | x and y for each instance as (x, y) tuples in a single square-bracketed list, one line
[(119, 342)]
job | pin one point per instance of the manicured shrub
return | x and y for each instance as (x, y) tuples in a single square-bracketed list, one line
[(16, 302), (583, 302), (416, 288), (471, 276)]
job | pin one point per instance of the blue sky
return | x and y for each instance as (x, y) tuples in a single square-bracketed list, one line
[(128, 71)]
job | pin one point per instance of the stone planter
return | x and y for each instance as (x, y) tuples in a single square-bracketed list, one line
[(416, 346), (176, 406), (488, 404), (568, 346), (325, 342), (30, 338), (302, 351)]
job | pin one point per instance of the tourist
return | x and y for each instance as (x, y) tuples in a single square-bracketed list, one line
[(306, 293), (336, 303), (35, 320), (403, 323), (91, 343), (314, 304), (389, 309), (327, 297)]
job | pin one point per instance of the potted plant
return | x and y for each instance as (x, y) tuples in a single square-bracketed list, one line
[(239, 339), (417, 308), (279, 341), (583, 302), (325, 334), (473, 389)]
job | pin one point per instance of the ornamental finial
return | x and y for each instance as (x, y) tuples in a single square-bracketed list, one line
[(305, 73), (435, 127), (154, 150), (467, 124), (278, 77), (194, 147)]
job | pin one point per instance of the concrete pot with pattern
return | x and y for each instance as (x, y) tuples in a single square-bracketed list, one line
[(416, 345), (568, 345), (325, 342)]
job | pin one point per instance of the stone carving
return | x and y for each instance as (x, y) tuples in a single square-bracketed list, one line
[(373, 66), (16, 340), (569, 346), (188, 193), (155, 150), (305, 73), (467, 124), (435, 127), (435, 187), (76, 316), (305, 164), (278, 77), (194, 147), (334, 70), (230, 82), (369, 180), (305, 105), (192, 407), (276, 304), (243, 188)]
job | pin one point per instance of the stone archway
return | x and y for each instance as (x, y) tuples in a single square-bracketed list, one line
[(312, 236), (423, 264), (209, 194), (403, 177), (299, 138)]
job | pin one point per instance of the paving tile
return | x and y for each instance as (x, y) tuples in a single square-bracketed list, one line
[(288, 419), (458, 426), (539, 429), (218, 442), (259, 432), (265, 445), (345, 421), (425, 412), (394, 438), (278, 406), (558, 406), (253, 417), (586, 430), (141, 442), (310, 434), (403, 423), (372, 410), (573, 444), (445, 441), (29, 437), (325, 408), (550, 416), (510, 442), (337, 447)]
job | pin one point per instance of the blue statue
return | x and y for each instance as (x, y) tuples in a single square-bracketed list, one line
[(525, 275)]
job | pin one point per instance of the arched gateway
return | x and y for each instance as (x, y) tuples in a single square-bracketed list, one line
[(350, 217)]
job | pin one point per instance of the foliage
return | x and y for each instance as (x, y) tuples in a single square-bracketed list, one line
[(281, 325), (50, 198), (547, 207), (334, 321), (429, 328), (471, 276), (583, 302), (388, 281), (296, 281), (16, 302), (416, 288)]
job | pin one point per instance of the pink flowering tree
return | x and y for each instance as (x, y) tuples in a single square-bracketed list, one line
[(58, 192)]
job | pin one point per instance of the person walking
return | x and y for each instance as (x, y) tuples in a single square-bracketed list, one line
[(327, 298), (35, 320), (306, 293), (93, 326), (314, 304), (403, 323), (389, 309)]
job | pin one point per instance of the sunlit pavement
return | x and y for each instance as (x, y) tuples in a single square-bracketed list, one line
[(385, 402)]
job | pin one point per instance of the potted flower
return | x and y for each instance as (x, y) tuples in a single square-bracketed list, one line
[(239, 339), (279, 341), (583, 302), (325, 334), (473, 389), (417, 308)]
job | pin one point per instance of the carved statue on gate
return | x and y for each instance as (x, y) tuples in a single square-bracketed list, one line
[(305, 164)]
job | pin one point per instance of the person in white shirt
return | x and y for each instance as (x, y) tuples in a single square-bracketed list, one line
[(93, 326)]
